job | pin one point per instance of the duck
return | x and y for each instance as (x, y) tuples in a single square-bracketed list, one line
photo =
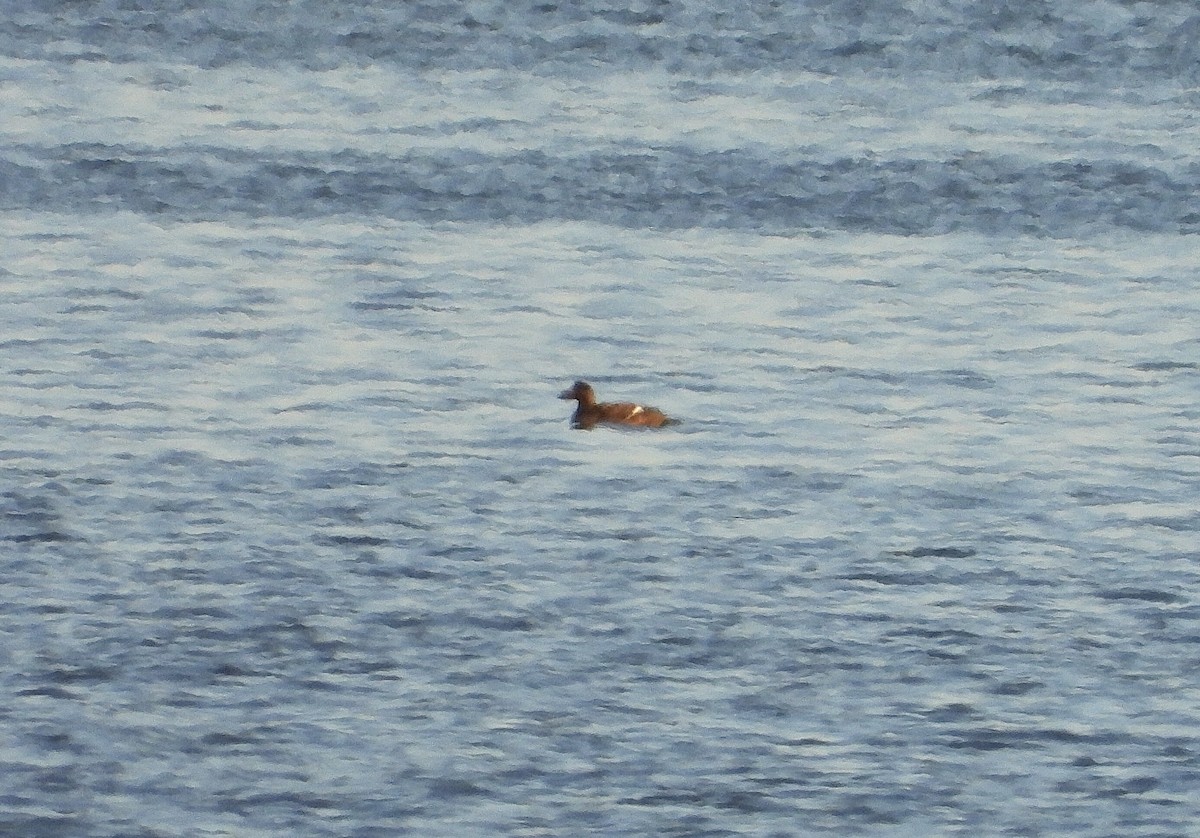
[(590, 413)]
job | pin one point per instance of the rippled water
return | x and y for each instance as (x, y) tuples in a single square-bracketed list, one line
[(297, 540)]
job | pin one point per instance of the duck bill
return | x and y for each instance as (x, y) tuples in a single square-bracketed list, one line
[(567, 394)]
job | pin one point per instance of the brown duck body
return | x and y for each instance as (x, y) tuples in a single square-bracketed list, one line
[(590, 413)]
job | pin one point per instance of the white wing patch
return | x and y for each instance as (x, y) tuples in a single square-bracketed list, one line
[(637, 408)]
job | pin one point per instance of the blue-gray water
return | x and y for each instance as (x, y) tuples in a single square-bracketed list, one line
[(296, 539)]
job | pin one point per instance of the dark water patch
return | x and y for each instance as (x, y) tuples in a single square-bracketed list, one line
[(1166, 366), (385, 669), (720, 798), (460, 551), (859, 808), (988, 739), (380, 570), (50, 608), (526, 309), (50, 691), (890, 578), (45, 537), (451, 788), (1190, 523), (351, 540), (403, 620), (993, 740), (51, 237), (674, 640), (185, 613), (953, 712), (46, 825), (284, 802), (305, 407), (940, 499), (122, 294), (938, 552), (1101, 788), (617, 341), (968, 379), (81, 308), (500, 622), (299, 441), (405, 298), (103, 406), (1018, 686), (952, 635), (671, 187), (81, 674), (249, 736), (1141, 595), (833, 371), (359, 474), (701, 44), (392, 305), (232, 334), (1104, 495), (17, 345), (231, 670), (244, 310), (1191, 448)]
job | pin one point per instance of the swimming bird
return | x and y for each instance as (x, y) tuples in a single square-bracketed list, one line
[(590, 413)]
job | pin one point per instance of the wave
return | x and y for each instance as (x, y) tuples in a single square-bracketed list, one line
[(1094, 42), (674, 186)]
